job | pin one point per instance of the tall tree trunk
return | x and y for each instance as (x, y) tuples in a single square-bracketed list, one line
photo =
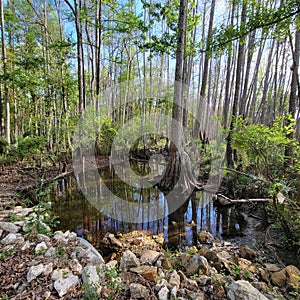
[(80, 54), (205, 72), (228, 76), (294, 94), (4, 62), (247, 73), (177, 99), (239, 69), (98, 43)]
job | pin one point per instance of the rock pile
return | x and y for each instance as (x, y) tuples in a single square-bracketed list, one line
[(65, 266)]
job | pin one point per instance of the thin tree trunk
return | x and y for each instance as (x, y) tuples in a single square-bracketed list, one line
[(4, 61), (227, 85), (80, 54), (205, 72), (236, 99), (98, 44), (294, 96)]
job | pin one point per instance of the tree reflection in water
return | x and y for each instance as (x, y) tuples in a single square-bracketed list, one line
[(180, 228)]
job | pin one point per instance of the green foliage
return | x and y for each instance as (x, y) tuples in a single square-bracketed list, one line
[(235, 270), (40, 219), (90, 292), (107, 134), (296, 289), (25, 147), (111, 282), (261, 148), (274, 21), (114, 282), (165, 42), (3, 146), (6, 253), (262, 152)]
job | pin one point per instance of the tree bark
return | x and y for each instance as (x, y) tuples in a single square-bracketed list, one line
[(177, 98), (205, 71), (80, 54), (293, 100), (236, 99), (4, 61)]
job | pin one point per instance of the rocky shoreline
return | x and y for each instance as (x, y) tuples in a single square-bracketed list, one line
[(64, 266)]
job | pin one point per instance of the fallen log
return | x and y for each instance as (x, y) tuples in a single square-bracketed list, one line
[(27, 189), (221, 200)]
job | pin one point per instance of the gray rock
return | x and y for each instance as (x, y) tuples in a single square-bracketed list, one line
[(174, 279), (60, 237), (138, 291), (196, 295), (26, 246), (173, 295), (92, 255), (9, 227), (1, 231), (163, 294), (11, 238), (63, 284), (243, 290), (112, 264), (90, 275), (160, 284), (43, 237), (34, 272), (196, 262), (204, 280), (150, 256), (50, 252), (75, 266), (58, 273), (128, 260), (94, 258), (40, 247), (48, 269), (191, 284), (19, 223)]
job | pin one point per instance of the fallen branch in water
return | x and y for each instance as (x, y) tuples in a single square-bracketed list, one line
[(25, 190), (224, 201)]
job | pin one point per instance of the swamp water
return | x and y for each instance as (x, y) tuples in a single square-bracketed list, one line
[(179, 229)]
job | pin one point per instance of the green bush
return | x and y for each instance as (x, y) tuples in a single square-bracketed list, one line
[(261, 148), (106, 137), (28, 146)]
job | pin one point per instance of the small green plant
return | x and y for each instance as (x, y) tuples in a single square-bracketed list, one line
[(174, 257), (248, 274), (13, 217), (198, 274), (235, 270), (296, 288), (40, 219), (113, 282), (6, 253), (60, 251), (216, 280), (90, 291)]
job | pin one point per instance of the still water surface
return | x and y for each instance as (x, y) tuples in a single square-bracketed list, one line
[(179, 228)]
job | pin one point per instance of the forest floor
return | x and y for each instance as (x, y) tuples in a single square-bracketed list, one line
[(35, 266), (19, 180)]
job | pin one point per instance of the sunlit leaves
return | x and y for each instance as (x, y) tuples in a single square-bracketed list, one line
[(273, 20), (262, 147)]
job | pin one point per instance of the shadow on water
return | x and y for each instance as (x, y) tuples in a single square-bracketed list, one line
[(180, 228)]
